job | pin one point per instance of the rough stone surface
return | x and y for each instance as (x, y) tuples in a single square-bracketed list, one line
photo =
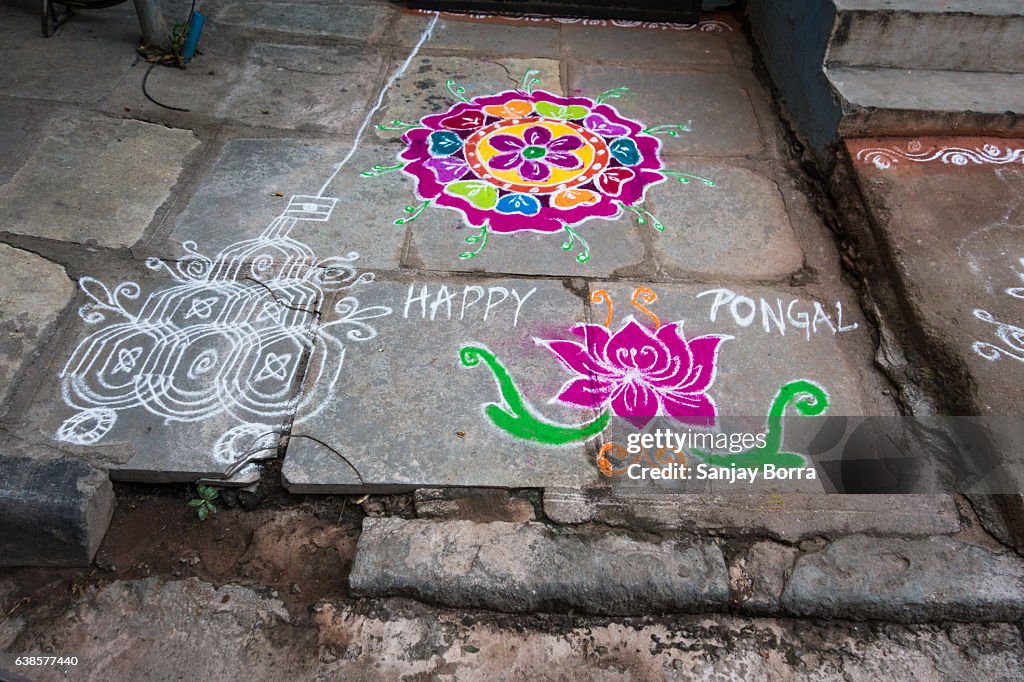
[(20, 120), (33, 292), (480, 505), (407, 414), (132, 628), (451, 34), (737, 229), (757, 576), (719, 110), (104, 181), (666, 49), (55, 510), (261, 85), (247, 175), (527, 567), (785, 516), (906, 580), (143, 624), (349, 21), (81, 63)]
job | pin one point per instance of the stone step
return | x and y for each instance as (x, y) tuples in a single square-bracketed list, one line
[(525, 567), (529, 567), (879, 102), (977, 35), (55, 510)]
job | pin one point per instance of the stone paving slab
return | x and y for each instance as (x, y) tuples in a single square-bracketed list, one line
[(263, 85), (524, 567), (492, 40), (56, 510), (906, 581), (716, 106), (407, 414), (172, 379), (348, 20), (20, 121), (644, 48), (952, 226), (236, 199), (738, 229), (33, 292), (95, 181), (83, 62), (616, 247)]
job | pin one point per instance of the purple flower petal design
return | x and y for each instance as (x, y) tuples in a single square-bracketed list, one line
[(537, 136), (564, 160), (590, 393), (534, 171), (446, 168), (565, 143), (576, 358), (506, 143), (696, 408), (601, 125), (639, 373), (636, 403), (506, 161)]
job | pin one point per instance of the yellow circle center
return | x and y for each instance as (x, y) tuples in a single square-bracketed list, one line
[(557, 129)]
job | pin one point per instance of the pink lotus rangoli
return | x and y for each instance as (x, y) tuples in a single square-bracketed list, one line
[(532, 161)]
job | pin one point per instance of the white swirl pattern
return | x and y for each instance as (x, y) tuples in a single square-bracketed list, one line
[(1010, 336), (232, 334), (884, 158)]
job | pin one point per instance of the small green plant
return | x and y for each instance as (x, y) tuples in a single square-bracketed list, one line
[(204, 503)]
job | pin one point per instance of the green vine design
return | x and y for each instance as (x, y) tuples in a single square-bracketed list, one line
[(457, 91), (574, 237), (414, 213), (670, 129), (520, 419), (379, 170), (686, 177), (473, 239), (614, 93), (808, 399), (642, 214), (529, 81), (397, 125)]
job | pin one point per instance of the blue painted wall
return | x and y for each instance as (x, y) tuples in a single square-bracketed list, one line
[(793, 36)]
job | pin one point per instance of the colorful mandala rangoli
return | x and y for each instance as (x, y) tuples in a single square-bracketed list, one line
[(532, 161)]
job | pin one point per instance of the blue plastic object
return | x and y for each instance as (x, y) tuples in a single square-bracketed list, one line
[(195, 27)]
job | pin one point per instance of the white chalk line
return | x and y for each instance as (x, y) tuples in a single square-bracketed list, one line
[(424, 37)]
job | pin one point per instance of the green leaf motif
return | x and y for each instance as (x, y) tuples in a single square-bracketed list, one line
[(481, 194), (565, 113)]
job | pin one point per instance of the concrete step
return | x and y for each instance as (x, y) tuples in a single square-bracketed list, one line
[(976, 35), (528, 567), (879, 102)]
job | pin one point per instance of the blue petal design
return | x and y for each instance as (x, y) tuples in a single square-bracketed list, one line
[(625, 152), (519, 203), (444, 143)]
